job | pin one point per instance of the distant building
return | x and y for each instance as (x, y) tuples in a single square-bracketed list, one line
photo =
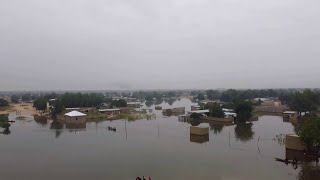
[(228, 113), (131, 100), (134, 104), (110, 111), (174, 111), (206, 102), (195, 107)]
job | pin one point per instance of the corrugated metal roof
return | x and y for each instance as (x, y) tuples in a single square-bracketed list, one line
[(74, 113), (200, 111)]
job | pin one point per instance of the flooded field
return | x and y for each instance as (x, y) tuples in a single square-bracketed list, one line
[(160, 148)]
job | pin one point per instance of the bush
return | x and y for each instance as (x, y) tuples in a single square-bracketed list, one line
[(195, 116)]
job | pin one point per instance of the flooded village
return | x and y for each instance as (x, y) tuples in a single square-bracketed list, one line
[(159, 90), (160, 135)]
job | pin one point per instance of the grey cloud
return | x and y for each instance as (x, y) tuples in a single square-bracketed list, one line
[(82, 44)]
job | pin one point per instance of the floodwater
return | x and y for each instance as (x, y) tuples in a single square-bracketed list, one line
[(160, 148)]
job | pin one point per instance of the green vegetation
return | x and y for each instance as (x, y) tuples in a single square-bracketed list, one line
[(306, 101), (310, 133), (4, 103), (118, 103), (244, 111), (4, 121), (195, 116), (213, 94), (58, 107), (40, 104), (71, 100), (215, 110), (195, 121), (15, 98), (200, 97)]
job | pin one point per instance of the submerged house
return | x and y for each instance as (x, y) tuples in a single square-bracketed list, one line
[(75, 119), (290, 116), (174, 111)]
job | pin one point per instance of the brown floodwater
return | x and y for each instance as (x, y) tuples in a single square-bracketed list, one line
[(160, 148)]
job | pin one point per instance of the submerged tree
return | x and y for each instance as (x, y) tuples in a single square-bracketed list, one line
[(217, 128), (215, 110), (244, 111), (4, 121)]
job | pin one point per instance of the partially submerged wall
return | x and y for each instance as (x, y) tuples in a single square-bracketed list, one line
[(200, 131), (294, 142), (214, 119)]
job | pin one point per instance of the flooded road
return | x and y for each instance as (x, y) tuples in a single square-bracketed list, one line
[(160, 148)]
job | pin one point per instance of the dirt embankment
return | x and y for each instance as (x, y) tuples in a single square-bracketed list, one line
[(21, 109)]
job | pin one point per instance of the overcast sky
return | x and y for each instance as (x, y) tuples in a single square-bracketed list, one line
[(159, 44)]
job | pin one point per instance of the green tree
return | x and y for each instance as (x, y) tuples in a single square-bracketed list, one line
[(215, 110), (200, 97), (213, 94), (195, 116), (4, 121), (195, 119), (72, 100), (4, 103), (243, 109), (119, 103), (58, 107), (40, 104), (310, 133), (306, 101)]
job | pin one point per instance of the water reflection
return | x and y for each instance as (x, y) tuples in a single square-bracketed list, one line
[(244, 132), (216, 127), (199, 139), (41, 120), (6, 131), (57, 126)]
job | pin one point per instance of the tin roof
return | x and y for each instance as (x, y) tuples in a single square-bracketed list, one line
[(74, 113)]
